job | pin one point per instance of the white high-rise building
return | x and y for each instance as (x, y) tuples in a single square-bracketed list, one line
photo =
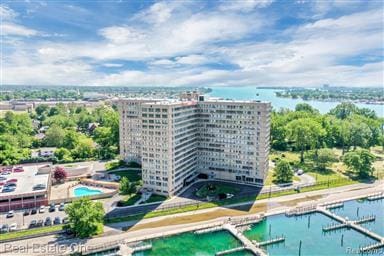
[(177, 140)]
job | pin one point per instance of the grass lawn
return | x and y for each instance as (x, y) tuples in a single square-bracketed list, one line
[(32, 231), (120, 164), (156, 198), (132, 175), (287, 155), (130, 200), (329, 175), (270, 179), (218, 189), (206, 205)]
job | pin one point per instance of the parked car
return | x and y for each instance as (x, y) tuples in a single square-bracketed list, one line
[(39, 223), (48, 221), (33, 224), (2, 178), (5, 173), (52, 208), (8, 189), (10, 185), (18, 169), (10, 214), (42, 209), (26, 212), (57, 220), (4, 228), (13, 227), (39, 187), (65, 220), (33, 211), (11, 181), (62, 207)]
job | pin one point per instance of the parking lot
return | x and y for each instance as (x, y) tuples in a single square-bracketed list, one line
[(23, 222)]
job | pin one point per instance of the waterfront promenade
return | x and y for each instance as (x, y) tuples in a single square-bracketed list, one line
[(151, 228)]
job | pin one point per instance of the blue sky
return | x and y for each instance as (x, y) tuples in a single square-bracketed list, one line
[(192, 43)]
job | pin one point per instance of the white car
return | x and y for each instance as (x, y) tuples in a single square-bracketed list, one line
[(42, 209), (13, 227)]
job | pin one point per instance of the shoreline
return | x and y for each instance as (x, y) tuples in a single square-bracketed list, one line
[(149, 229), (335, 100)]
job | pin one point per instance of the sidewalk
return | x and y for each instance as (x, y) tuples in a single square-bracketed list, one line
[(275, 205)]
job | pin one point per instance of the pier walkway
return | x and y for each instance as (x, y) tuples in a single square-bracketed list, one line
[(246, 242), (237, 249), (351, 223)]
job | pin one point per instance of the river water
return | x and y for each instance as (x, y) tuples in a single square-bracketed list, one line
[(253, 93)]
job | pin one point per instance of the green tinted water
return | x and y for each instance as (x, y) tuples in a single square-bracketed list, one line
[(190, 244), (308, 229)]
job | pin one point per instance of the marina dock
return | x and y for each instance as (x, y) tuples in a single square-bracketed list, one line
[(301, 211), (237, 249), (245, 241), (275, 240), (353, 224), (376, 196)]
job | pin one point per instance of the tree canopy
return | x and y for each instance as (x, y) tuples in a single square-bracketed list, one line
[(85, 217)]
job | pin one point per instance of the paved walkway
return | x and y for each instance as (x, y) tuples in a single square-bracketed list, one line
[(276, 205)]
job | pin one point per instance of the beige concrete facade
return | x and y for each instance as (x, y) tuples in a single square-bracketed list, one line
[(176, 140)]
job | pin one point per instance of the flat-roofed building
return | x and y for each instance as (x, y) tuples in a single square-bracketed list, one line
[(175, 140), (32, 187)]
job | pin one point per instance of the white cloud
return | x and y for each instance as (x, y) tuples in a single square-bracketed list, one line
[(11, 29), (244, 5), (7, 13), (175, 46), (193, 59), (121, 35), (113, 65), (157, 13), (66, 73), (8, 27)]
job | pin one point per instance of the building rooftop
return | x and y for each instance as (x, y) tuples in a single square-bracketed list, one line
[(178, 101), (26, 180)]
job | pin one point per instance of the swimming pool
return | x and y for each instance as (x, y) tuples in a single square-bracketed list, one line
[(86, 191)]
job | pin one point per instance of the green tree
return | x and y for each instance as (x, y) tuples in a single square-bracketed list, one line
[(360, 134), (71, 139), (84, 149), (305, 133), (324, 157), (343, 110), (306, 108), (85, 217), (63, 154), (283, 172), (40, 109), (127, 187), (54, 136), (360, 161)]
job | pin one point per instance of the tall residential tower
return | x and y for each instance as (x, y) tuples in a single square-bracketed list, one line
[(176, 140)]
